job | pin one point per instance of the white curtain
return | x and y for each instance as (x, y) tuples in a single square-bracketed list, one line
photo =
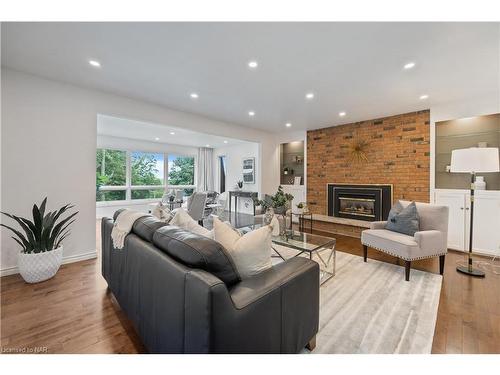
[(205, 179)]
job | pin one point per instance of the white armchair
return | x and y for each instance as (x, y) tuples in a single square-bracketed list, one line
[(430, 241)]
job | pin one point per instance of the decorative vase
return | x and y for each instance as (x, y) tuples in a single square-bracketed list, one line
[(480, 184), (38, 267), (275, 226), (268, 216), (282, 224), (280, 210)]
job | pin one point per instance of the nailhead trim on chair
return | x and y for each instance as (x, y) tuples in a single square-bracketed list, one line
[(399, 256)]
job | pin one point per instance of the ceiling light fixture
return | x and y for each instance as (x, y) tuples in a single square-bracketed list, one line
[(194, 95), (423, 97), (207, 145), (251, 113), (409, 65), (172, 133), (157, 139), (95, 63), (253, 64), (288, 124), (342, 114), (310, 95), (225, 142)]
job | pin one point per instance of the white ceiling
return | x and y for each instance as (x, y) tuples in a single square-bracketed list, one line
[(352, 67), (139, 130)]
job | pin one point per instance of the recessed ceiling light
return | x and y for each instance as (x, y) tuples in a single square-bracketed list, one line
[(342, 114), (253, 64), (310, 95), (172, 133), (251, 113), (288, 124), (225, 142), (157, 139), (194, 95), (95, 63), (409, 65), (207, 145), (423, 97)]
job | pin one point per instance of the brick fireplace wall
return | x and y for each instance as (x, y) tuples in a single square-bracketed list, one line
[(397, 150)]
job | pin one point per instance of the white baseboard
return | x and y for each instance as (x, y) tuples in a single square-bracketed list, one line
[(67, 259)]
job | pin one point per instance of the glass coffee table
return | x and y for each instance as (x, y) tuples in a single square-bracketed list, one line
[(318, 248)]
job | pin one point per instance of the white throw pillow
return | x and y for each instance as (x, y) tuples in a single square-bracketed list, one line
[(163, 213), (251, 252), (184, 221)]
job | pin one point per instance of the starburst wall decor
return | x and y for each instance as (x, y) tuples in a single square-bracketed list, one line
[(358, 151)]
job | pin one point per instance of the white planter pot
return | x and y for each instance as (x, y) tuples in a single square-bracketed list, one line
[(40, 266)]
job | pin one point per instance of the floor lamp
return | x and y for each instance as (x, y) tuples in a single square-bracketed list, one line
[(473, 160)]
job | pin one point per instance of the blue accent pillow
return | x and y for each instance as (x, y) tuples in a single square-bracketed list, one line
[(403, 220)]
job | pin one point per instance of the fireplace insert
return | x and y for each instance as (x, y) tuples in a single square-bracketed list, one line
[(360, 202)]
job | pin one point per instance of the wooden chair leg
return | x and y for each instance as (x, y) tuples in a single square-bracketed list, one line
[(311, 345), (407, 270), (365, 252), (441, 264)]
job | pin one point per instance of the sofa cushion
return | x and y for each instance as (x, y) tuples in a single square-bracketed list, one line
[(403, 219), (146, 226), (431, 216), (162, 212), (197, 251), (394, 243), (251, 252), (183, 220)]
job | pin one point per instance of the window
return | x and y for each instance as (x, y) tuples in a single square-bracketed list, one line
[(111, 170), (133, 175), (147, 193), (147, 169), (180, 170)]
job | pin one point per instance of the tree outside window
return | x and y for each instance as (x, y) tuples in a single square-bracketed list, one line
[(180, 170), (147, 170), (110, 171)]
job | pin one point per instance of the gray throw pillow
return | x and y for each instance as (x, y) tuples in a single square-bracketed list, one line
[(403, 220)]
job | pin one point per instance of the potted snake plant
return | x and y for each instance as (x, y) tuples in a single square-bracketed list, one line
[(41, 244)]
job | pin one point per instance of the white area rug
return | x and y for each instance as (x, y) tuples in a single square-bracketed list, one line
[(370, 308)]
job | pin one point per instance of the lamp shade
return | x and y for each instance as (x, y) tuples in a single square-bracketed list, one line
[(475, 159)]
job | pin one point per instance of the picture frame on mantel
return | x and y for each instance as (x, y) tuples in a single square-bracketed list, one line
[(248, 165)]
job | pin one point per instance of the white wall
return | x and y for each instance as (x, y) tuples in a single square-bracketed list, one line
[(48, 149), (234, 157), (470, 107)]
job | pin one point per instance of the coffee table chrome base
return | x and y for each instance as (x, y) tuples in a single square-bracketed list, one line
[(326, 267), (326, 264)]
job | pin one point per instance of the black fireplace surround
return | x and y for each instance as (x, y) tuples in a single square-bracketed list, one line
[(359, 202)]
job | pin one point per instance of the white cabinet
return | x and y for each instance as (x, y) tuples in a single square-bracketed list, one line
[(456, 219), (487, 223), (486, 219)]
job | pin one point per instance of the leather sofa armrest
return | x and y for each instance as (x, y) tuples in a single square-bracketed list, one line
[(252, 289), (431, 240), (378, 224), (276, 311)]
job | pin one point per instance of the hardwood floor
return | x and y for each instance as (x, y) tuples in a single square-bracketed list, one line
[(73, 313)]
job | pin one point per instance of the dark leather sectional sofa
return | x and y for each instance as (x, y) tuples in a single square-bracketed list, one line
[(183, 294)]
